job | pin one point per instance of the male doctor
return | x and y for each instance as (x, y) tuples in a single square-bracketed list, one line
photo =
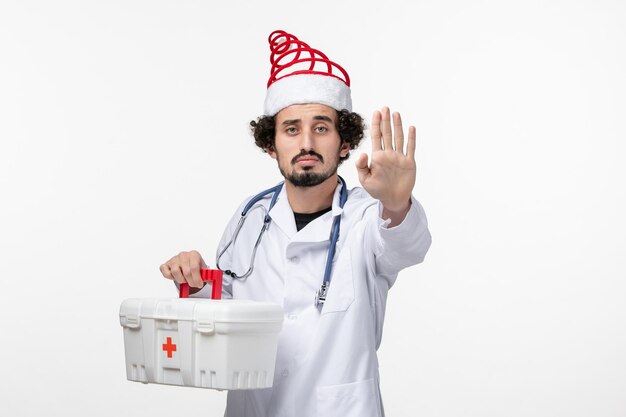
[(326, 363)]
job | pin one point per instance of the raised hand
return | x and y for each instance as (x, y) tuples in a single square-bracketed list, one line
[(390, 177)]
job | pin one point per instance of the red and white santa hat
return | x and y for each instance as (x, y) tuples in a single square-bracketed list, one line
[(303, 75)]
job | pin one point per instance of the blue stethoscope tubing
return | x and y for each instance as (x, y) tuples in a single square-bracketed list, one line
[(320, 296)]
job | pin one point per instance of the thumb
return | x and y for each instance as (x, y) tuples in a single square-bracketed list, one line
[(362, 167)]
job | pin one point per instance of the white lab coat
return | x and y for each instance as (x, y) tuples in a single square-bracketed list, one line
[(326, 363)]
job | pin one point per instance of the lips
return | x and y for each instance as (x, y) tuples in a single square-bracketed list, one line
[(307, 158), (307, 162)]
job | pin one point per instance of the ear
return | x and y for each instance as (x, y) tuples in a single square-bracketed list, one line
[(270, 151), (344, 150)]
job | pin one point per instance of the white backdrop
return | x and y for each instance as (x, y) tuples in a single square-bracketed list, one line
[(124, 140)]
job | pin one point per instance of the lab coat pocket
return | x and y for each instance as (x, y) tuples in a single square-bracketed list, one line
[(341, 291), (357, 399)]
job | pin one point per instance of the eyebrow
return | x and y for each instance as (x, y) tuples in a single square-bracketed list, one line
[(296, 121), (291, 122), (322, 117)]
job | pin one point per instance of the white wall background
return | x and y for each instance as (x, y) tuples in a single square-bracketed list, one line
[(123, 140)]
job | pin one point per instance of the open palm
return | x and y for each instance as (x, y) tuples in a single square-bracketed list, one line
[(390, 177)]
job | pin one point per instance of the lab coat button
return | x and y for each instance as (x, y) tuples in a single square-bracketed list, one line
[(285, 373), (292, 316), (294, 259)]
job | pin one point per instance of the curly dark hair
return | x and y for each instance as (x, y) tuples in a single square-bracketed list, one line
[(350, 126)]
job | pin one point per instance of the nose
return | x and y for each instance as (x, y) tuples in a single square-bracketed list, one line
[(307, 141)]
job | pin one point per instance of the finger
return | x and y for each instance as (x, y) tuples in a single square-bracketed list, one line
[(376, 134), (385, 127), (165, 270), (398, 134), (185, 267), (194, 266), (410, 151), (361, 162), (177, 273), (362, 167)]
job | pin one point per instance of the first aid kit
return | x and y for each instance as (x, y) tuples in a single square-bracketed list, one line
[(205, 343)]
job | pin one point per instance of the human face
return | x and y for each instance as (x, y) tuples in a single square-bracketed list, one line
[(307, 145)]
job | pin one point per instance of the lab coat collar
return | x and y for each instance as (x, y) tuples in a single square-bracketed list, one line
[(282, 215), (336, 210), (317, 231)]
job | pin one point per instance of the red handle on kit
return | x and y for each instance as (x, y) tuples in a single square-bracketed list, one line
[(214, 276)]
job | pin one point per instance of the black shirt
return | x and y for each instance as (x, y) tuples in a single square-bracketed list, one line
[(302, 219)]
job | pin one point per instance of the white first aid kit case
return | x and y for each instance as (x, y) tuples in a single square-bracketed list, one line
[(205, 343)]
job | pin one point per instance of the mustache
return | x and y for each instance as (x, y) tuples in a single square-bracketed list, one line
[(307, 153)]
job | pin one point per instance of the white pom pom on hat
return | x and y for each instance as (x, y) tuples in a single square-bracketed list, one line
[(303, 75)]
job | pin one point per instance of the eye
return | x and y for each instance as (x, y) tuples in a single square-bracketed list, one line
[(291, 130), (321, 129)]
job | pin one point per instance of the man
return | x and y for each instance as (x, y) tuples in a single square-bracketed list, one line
[(326, 363)]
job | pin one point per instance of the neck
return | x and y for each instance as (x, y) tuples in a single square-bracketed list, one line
[(311, 199)]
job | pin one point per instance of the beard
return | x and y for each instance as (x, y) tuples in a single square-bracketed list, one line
[(307, 179)]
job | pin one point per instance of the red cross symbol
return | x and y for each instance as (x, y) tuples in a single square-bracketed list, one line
[(169, 347)]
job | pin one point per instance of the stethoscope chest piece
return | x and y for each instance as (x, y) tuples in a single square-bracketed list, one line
[(320, 295)]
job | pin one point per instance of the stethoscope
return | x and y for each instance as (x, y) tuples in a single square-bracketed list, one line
[(320, 295)]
